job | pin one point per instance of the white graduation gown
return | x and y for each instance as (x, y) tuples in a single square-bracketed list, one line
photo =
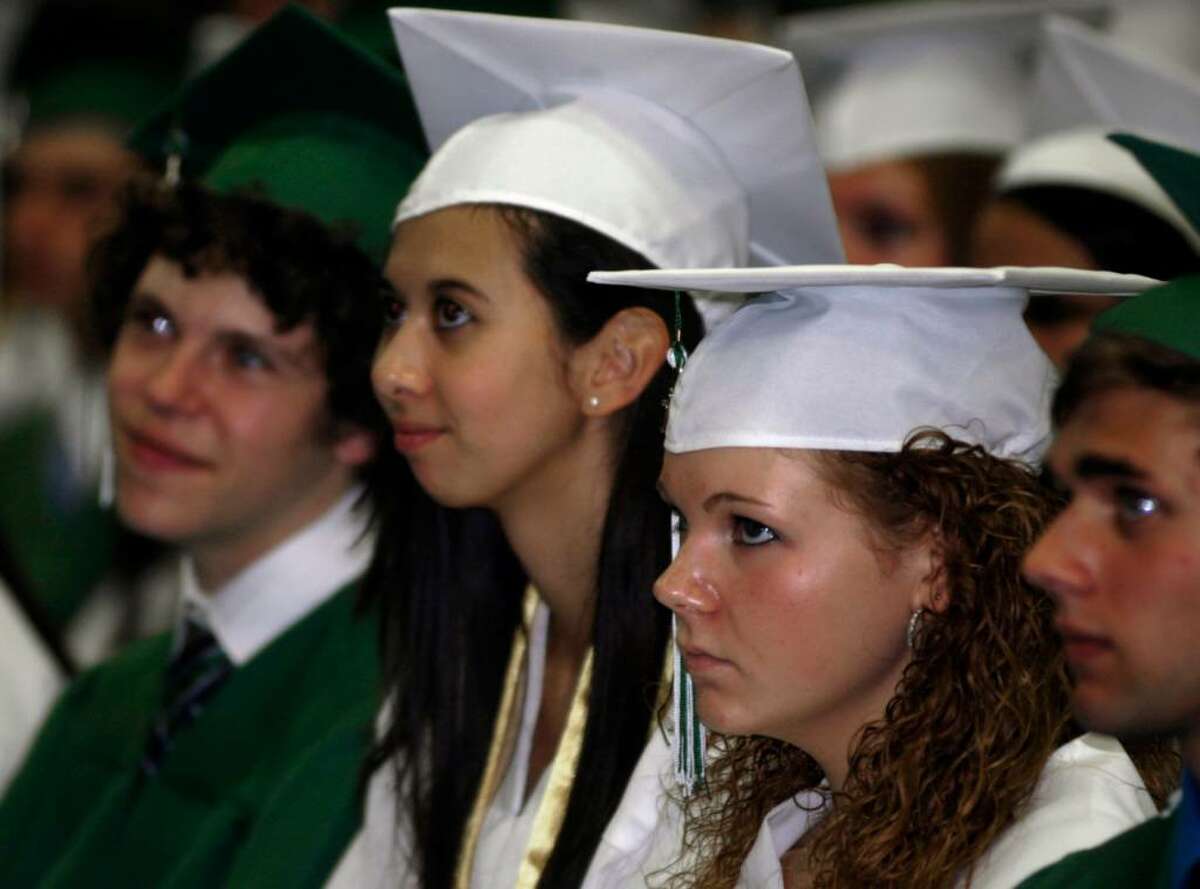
[(1088, 792), (379, 856)]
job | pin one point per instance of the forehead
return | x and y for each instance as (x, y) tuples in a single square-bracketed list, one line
[(748, 471), (458, 241), (75, 146), (219, 304), (1154, 432)]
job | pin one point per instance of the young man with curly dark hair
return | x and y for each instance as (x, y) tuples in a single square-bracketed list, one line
[(240, 317)]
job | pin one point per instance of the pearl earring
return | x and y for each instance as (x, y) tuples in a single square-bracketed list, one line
[(593, 401)]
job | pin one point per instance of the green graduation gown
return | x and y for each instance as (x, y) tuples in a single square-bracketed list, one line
[(61, 538), (1139, 857), (261, 790)]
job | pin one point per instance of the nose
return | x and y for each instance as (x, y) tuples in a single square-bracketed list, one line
[(175, 385), (401, 367), (685, 586), (1061, 561)]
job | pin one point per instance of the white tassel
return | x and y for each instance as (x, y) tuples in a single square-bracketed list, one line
[(690, 741)]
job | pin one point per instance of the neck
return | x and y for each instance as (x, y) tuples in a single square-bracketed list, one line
[(829, 738), (220, 558), (555, 526)]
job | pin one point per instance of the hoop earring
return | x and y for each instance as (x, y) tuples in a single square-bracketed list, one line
[(913, 623)]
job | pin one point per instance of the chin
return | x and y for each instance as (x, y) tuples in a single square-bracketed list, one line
[(153, 518)]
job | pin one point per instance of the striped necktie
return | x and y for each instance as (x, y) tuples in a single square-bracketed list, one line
[(194, 675)]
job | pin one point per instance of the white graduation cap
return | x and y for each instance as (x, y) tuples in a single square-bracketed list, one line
[(1168, 28), (898, 80), (1088, 86), (693, 151), (858, 357)]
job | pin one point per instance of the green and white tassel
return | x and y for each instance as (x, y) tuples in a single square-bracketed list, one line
[(689, 741)]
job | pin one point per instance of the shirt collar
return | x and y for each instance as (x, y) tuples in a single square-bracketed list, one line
[(1185, 848), (285, 584)]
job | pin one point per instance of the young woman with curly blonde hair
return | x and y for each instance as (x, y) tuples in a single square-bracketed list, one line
[(851, 459)]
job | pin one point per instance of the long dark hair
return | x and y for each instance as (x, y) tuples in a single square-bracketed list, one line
[(449, 589)]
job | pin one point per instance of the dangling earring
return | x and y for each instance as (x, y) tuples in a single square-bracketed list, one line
[(913, 623)]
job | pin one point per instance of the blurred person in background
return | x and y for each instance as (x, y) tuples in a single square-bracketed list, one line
[(1067, 196), (915, 104), (83, 72)]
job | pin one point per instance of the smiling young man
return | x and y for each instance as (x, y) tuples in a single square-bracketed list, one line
[(1122, 562), (240, 320)]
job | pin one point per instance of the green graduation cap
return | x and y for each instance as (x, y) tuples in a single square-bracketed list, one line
[(106, 63), (1168, 315), (1176, 171), (300, 116)]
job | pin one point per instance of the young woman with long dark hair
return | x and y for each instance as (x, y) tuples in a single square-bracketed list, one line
[(525, 655)]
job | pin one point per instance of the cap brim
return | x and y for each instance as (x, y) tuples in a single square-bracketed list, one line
[(763, 280)]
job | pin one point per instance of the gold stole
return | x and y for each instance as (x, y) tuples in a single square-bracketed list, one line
[(553, 806)]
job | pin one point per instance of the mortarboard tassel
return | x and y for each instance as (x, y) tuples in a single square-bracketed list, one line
[(689, 741)]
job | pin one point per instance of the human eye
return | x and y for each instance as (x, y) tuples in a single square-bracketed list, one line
[(886, 227), (394, 310), (247, 356), (150, 318), (1135, 507), (747, 532), (449, 314)]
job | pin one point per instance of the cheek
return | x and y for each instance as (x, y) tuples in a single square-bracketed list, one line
[(127, 371)]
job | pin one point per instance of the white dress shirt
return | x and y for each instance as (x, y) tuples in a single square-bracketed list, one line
[(30, 680), (284, 585), (381, 854)]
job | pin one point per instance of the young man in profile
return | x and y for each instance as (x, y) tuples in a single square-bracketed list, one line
[(1122, 562)]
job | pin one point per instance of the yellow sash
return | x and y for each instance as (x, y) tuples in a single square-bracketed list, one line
[(553, 805)]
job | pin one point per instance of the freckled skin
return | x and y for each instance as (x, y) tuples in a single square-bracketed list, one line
[(808, 628), (1122, 562)]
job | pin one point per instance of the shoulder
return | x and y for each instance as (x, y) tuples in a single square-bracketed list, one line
[(1088, 792), (1134, 857), (122, 685)]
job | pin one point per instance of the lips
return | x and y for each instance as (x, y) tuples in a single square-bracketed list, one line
[(156, 454), (411, 437), (700, 662), (1082, 646)]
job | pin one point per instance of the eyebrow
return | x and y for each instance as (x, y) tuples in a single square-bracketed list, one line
[(1093, 466), (712, 500), (720, 497), (456, 284)]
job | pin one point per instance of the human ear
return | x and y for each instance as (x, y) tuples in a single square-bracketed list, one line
[(612, 369), (354, 445), (930, 593)]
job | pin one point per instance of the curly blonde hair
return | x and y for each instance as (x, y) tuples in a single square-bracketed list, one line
[(979, 709)]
